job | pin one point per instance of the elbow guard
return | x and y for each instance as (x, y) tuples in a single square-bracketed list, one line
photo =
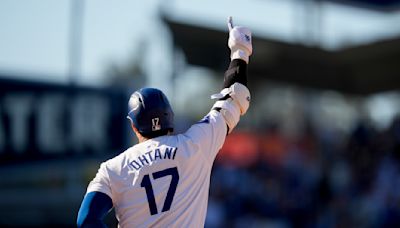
[(232, 103)]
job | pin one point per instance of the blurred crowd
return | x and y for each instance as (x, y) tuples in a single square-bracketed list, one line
[(320, 178)]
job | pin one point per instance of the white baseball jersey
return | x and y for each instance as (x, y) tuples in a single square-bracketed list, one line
[(164, 181)]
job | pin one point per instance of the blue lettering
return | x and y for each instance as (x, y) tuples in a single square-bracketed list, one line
[(175, 149), (157, 154), (168, 151), (149, 154), (135, 165), (143, 160)]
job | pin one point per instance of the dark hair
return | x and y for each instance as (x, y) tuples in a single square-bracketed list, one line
[(154, 134)]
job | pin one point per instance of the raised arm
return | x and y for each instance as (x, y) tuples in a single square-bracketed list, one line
[(232, 102), (241, 48), (234, 99)]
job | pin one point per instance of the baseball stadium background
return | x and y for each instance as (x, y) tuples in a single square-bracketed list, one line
[(319, 147)]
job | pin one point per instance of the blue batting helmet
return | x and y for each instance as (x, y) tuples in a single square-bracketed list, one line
[(150, 111)]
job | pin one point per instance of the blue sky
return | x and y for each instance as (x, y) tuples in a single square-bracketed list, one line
[(34, 33), (35, 36)]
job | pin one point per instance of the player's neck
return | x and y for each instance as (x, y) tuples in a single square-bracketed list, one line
[(141, 138)]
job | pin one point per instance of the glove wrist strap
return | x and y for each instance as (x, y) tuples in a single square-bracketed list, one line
[(240, 54)]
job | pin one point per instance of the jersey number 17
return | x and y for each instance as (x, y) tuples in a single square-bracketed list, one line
[(146, 183)]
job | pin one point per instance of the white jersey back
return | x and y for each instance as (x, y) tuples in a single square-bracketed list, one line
[(164, 182)]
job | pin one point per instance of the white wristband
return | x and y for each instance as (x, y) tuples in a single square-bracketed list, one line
[(240, 54)]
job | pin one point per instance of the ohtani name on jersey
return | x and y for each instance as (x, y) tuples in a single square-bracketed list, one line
[(153, 155)]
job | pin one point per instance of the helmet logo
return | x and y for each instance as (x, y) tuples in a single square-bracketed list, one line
[(134, 102), (155, 124)]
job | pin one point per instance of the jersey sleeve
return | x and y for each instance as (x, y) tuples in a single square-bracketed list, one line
[(101, 182), (209, 134)]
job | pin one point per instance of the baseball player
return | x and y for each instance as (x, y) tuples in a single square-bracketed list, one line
[(163, 181)]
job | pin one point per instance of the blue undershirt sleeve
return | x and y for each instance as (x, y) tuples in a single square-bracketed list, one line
[(94, 207)]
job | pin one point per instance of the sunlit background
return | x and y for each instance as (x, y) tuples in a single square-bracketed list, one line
[(319, 147)]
